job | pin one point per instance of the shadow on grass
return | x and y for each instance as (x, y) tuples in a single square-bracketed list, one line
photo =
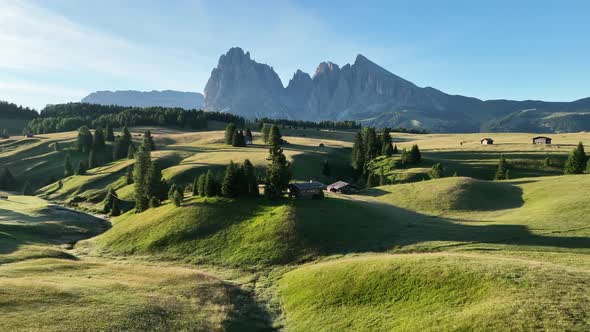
[(248, 315)]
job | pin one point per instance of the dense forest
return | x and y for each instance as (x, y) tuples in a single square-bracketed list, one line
[(310, 124), (71, 116), (13, 111)]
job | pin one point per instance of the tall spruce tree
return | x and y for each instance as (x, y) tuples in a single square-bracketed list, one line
[(131, 151), (68, 168), (85, 139), (372, 144), (202, 185), (230, 130), (98, 140), (275, 137), (129, 175), (415, 155), (140, 174), (148, 141), (395, 150), (211, 187), (230, 185), (278, 172), (155, 186), (358, 154), (265, 132), (502, 172), (250, 178), (387, 149), (195, 186), (576, 161), (110, 135), (238, 139)]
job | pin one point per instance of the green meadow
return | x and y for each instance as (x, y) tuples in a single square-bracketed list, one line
[(459, 253)]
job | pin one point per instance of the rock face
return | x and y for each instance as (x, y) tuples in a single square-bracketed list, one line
[(366, 92), (167, 98)]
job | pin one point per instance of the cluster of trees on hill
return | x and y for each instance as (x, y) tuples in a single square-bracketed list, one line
[(237, 138), (309, 124), (67, 117), (13, 111), (150, 187)]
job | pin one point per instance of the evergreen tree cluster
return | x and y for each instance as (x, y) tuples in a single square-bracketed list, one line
[(238, 180), (67, 117), (503, 170), (13, 111), (176, 194), (411, 157), (576, 162), (112, 203), (309, 124), (235, 137), (278, 172), (368, 145), (147, 178)]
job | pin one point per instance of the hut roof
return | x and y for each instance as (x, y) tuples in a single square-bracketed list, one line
[(339, 185), (536, 137), (308, 185)]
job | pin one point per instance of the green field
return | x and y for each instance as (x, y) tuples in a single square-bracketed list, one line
[(457, 253)]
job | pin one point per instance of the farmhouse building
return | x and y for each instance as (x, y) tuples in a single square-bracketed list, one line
[(29, 135), (486, 141), (311, 189), (541, 140), (341, 187)]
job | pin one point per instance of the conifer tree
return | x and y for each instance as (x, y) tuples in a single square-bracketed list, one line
[(98, 140), (178, 195), (230, 130), (85, 139), (110, 135), (230, 185), (140, 175), (116, 210), (56, 147), (92, 160), (238, 139), (372, 145), (250, 178), (81, 170), (172, 192), (129, 175), (358, 154), (68, 168), (415, 155), (195, 186), (110, 202), (154, 202), (387, 149), (248, 135), (265, 132), (278, 173), (576, 161), (275, 137), (395, 150), (148, 141), (386, 136), (202, 185), (154, 182), (211, 186), (502, 172), (131, 151), (436, 171)]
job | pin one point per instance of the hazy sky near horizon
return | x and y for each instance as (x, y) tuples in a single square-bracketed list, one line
[(55, 51)]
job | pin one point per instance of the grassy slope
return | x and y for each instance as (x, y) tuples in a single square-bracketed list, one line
[(32, 228), (435, 292)]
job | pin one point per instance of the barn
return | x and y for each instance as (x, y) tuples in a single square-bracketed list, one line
[(541, 140), (486, 141), (311, 189), (341, 187)]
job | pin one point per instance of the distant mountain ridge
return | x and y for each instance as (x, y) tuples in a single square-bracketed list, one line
[(132, 98), (366, 92)]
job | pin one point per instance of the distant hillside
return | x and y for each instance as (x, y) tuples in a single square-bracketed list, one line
[(14, 118), (366, 92), (130, 98)]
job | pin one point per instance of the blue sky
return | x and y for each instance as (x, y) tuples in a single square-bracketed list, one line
[(60, 50)]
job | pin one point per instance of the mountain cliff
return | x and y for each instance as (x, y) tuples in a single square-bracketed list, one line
[(366, 92), (167, 98)]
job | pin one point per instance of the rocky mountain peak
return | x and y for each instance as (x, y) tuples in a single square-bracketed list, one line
[(326, 68)]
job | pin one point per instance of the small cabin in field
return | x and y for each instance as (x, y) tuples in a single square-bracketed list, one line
[(541, 140), (3, 197), (487, 141), (29, 135), (341, 187), (311, 190)]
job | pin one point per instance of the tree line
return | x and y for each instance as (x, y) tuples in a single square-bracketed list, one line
[(14, 111), (308, 124), (67, 117)]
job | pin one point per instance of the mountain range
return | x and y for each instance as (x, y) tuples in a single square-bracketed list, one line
[(131, 98), (362, 91)]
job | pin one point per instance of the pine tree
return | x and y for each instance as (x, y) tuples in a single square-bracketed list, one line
[(85, 139), (326, 169), (56, 147), (230, 130), (275, 137), (131, 151), (395, 150), (211, 186), (387, 149), (81, 170), (140, 174), (278, 173), (116, 209), (98, 141), (92, 160), (178, 195), (154, 183), (129, 175), (111, 202), (148, 141), (154, 202), (436, 171), (195, 186), (415, 155), (230, 185), (386, 136), (502, 172), (110, 135), (358, 154), (576, 161), (250, 178), (202, 185), (172, 192), (68, 168), (265, 132), (248, 136), (238, 139), (372, 145)]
